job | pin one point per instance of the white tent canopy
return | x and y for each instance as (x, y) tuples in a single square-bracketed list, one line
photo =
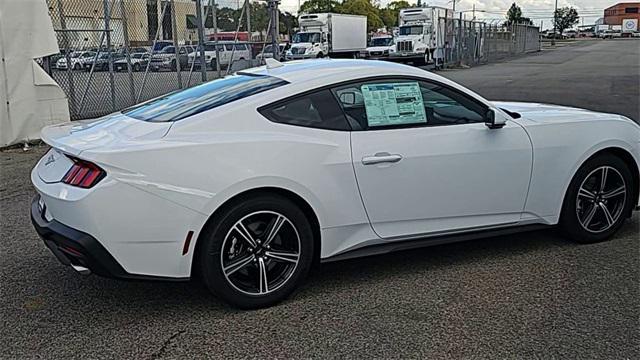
[(29, 98)]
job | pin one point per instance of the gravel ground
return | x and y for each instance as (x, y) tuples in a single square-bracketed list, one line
[(530, 295)]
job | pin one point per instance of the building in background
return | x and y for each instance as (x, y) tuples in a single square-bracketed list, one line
[(623, 16), (142, 18)]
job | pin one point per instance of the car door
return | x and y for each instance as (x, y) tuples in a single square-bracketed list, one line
[(224, 56), (426, 163)]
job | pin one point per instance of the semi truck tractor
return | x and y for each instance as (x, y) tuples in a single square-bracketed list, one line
[(420, 33), (328, 34)]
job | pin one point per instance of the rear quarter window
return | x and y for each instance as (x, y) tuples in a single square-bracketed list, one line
[(317, 110)]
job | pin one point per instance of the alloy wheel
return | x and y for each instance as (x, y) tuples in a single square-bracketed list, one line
[(601, 199), (260, 252)]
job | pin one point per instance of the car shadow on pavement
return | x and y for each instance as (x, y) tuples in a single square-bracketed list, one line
[(146, 298)]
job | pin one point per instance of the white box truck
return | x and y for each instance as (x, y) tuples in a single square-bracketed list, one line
[(328, 34), (420, 33)]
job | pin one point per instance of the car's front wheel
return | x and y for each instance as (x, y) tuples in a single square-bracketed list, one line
[(257, 252), (598, 199)]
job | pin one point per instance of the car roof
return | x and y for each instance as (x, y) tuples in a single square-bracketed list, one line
[(303, 75), (335, 70)]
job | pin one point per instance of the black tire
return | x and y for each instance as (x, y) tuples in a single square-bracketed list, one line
[(77, 66), (213, 64), (136, 67), (174, 66), (320, 56), (214, 250), (575, 206)]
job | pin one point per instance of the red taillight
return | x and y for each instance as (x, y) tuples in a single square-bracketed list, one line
[(83, 174)]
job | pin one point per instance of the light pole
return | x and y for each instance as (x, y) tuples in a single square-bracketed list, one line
[(555, 15)]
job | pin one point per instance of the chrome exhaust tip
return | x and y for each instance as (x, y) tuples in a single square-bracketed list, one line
[(81, 269)]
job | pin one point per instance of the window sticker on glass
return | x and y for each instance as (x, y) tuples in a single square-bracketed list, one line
[(393, 104)]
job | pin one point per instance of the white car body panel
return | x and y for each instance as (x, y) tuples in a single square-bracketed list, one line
[(429, 190), (166, 179), (563, 138)]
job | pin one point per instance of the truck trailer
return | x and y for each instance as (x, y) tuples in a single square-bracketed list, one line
[(328, 34)]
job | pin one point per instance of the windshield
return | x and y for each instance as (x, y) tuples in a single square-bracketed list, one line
[(381, 41), (184, 103), (168, 50), (137, 56), (75, 54), (306, 38), (411, 30)]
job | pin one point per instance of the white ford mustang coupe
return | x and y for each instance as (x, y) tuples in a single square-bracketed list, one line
[(249, 180)]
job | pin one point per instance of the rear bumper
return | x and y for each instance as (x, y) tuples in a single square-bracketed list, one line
[(80, 250)]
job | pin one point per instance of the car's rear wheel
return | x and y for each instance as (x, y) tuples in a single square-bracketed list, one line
[(598, 200), (257, 252), (136, 67)]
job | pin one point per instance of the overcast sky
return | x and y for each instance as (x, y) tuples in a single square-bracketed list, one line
[(537, 10)]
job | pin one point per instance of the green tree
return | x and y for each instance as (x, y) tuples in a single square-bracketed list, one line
[(318, 6), (389, 15), (259, 16), (388, 18), (362, 7), (227, 19), (565, 18), (288, 22), (514, 16)]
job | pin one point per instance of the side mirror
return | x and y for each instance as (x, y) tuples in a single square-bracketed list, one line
[(348, 98), (491, 122)]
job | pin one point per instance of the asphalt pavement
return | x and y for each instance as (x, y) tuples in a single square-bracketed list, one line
[(600, 75), (532, 295)]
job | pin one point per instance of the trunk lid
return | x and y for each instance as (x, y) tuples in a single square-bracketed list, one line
[(109, 133), (53, 166), (113, 131)]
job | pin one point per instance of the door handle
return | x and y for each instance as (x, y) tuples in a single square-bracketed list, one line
[(381, 157)]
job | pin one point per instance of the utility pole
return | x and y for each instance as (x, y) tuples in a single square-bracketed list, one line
[(474, 12), (203, 64), (555, 15), (247, 3), (273, 11), (215, 34), (454, 8)]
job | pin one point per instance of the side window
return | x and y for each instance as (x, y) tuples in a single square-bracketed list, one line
[(316, 110), (379, 104), (240, 47), (445, 106), (228, 47)]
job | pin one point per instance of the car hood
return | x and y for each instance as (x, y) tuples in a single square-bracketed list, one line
[(163, 56), (301, 46), (554, 113), (113, 132), (408, 37), (379, 48)]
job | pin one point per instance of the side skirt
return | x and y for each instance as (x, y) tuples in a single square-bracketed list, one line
[(389, 247)]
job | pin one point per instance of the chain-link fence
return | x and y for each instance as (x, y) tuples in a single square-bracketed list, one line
[(116, 53), (469, 43)]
